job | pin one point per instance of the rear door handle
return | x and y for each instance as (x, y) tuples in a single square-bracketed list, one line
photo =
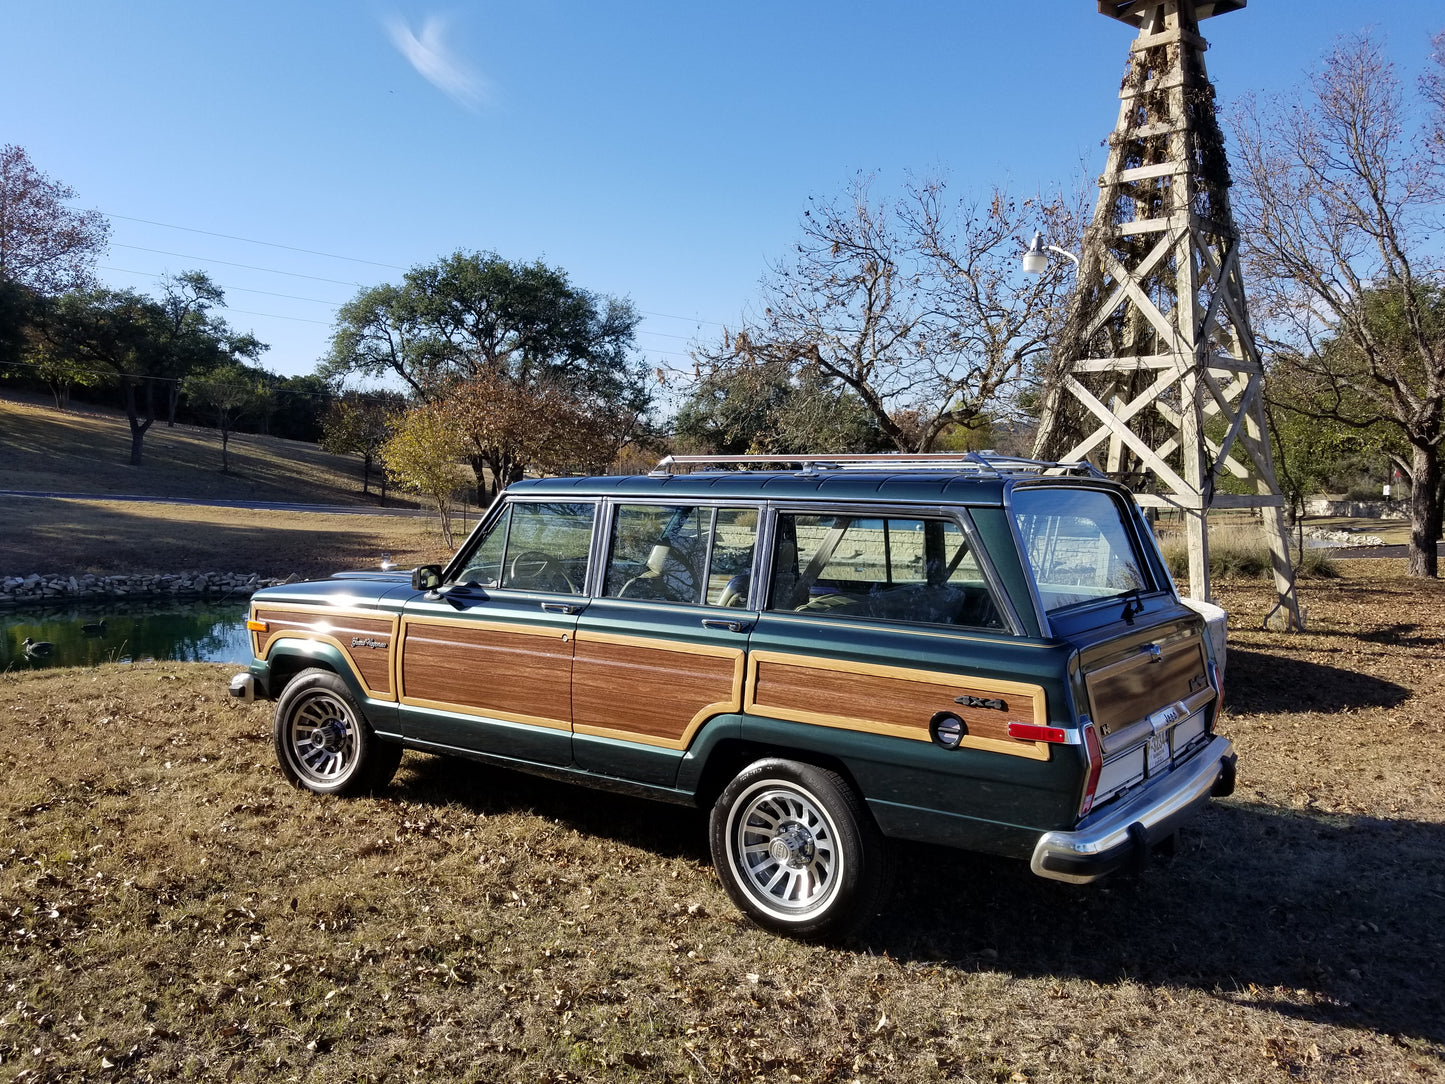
[(560, 607), (721, 625)]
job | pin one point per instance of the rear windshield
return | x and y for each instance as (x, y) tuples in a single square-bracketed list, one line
[(1078, 546)]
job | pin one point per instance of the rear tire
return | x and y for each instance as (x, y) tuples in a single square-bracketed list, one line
[(797, 851), (323, 741)]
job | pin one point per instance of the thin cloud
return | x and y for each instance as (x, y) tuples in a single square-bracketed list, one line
[(429, 53)]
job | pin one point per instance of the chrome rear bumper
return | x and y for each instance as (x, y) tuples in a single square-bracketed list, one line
[(1127, 832)]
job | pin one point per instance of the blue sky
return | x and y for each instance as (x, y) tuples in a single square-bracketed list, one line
[(662, 152)]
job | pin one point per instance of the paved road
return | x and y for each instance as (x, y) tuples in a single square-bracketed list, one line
[(278, 506)]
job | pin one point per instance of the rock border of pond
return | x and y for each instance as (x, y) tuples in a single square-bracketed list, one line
[(18, 590)]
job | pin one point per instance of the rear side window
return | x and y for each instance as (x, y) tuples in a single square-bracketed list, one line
[(880, 568), (1077, 546)]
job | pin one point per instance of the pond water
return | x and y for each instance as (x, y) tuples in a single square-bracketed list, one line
[(124, 632)]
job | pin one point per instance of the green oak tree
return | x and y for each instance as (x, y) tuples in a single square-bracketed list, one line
[(521, 329)]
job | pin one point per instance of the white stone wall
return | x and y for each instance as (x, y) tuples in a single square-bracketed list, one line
[(19, 590)]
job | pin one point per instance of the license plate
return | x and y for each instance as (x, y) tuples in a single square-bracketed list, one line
[(1158, 750)]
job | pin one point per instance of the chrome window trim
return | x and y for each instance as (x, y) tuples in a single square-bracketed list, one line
[(602, 538), (495, 511)]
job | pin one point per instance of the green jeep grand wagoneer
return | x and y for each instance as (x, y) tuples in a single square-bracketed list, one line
[(978, 652)]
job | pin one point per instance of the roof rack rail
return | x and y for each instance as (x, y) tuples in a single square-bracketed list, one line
[(981, 463)]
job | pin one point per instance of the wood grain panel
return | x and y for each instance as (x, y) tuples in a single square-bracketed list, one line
[(1126, 691), (892, 700), (653, 691), (366, 641), (515, 672)]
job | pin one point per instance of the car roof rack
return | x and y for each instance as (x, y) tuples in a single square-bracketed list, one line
[(983, 464)]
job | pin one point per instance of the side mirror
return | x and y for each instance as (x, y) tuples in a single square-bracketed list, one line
[(426, 577)]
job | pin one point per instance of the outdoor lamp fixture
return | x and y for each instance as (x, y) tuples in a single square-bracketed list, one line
[(1036, 259)]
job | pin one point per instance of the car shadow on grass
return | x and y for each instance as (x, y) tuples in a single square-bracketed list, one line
[(671, 831), (1333, 919), (1260, 683)]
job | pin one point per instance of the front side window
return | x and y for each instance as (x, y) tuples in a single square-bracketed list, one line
[(534, 546), (681, 553), (1078, 546), (883, 568)]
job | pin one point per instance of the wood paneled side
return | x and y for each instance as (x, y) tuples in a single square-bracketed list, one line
[(653, 691), (514, 672), (1126, 691), (896, 701), (365, 641)]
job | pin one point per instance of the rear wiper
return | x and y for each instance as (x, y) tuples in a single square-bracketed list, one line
[(1133, 605)]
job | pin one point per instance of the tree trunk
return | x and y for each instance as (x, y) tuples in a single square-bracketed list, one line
[(225, 444), (1424, 511), (480, 464), (173, 398), (138, 426)]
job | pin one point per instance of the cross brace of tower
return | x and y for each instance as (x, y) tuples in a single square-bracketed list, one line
[(1156, 375)]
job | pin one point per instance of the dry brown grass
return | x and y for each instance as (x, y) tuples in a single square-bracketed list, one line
[(88, 451), (113, 537), (45, 450), (170, 909)]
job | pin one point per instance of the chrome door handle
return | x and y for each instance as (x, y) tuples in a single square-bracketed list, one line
[(560, 607), (720, 625)]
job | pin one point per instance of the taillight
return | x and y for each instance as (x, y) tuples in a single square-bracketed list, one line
[(1096, 765), (1033, 732)]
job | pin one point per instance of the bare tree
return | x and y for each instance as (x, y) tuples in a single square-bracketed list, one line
[(916, 307), (1338, 193)]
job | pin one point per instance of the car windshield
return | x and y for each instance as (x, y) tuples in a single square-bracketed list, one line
[(1078, 546)]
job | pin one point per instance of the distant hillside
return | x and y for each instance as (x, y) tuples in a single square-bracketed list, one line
[(87, 450)]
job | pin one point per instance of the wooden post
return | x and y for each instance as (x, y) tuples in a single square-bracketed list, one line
[(1157, 372)]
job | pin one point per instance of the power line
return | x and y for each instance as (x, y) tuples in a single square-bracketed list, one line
[(685, 319), (252, 241), (275, 316), (230, 263), (315, 252), (234, 289)]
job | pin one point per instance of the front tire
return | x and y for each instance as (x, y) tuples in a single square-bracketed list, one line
[(323, 741), (796, 850)]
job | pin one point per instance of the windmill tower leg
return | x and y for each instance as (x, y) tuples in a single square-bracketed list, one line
[(1157, 373)]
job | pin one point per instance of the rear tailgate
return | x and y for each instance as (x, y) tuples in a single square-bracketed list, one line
[(1150, 696)]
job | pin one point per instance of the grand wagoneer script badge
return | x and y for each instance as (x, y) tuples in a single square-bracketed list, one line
[(366, 641)]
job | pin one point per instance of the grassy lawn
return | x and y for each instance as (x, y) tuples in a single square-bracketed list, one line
[(113, 537), (87, 451), (171, 909)]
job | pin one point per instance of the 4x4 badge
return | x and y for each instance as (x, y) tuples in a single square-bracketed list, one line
[(980, 702)]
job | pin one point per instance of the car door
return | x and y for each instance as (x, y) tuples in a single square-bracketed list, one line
[(485, 663), (662, 649)]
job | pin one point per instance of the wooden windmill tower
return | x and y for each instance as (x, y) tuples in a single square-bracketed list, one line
[(1156, 376)]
